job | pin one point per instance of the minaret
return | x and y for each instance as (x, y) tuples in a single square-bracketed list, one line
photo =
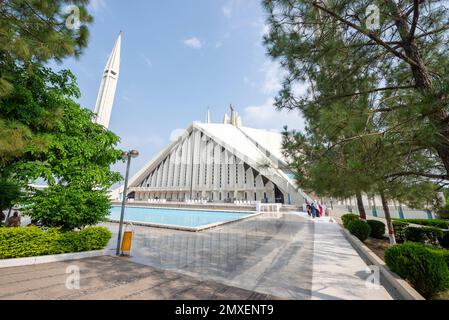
[(208, 116), (106, 94)]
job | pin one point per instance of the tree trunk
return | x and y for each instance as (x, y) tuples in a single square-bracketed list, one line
[(423, 81), (7, 217), (360, 206), (388, 218)]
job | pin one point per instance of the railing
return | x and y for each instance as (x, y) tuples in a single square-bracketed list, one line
[(270, 207)]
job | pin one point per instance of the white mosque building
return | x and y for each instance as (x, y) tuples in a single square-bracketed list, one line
[(219, 162), (216, 162)]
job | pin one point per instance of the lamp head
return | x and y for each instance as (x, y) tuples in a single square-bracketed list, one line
[(133, 153)]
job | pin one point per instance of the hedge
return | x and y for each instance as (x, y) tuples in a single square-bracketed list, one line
[(423, 267), (429, 235), (377, 229), (33, 241), (437, 223), (346, 218), (399, 230), (444, 240), (360, 229)]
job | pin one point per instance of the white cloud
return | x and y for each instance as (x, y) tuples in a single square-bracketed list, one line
[(273, 76), (97, 5), (265, 116), (227, 10), (194, 43)]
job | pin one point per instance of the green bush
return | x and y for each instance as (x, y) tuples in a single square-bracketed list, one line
[(33, 241), (68, 208), (443, 253), (399, 230), (437, 223), (360, 229), (444, 239), (443, 212), (346, 218), (425, 269), (429, 235), (377, 229)]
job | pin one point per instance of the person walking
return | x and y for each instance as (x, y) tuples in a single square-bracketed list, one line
[(14, 221), (320, 209), (313, 209)]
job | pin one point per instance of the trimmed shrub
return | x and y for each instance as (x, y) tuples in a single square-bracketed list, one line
[(399, 230), (437, 223), (346, 218), (33, 241), (360, 229), (443, 212), (429, 235), (443, 253), (425, 269), (377, 229), (444, 240)]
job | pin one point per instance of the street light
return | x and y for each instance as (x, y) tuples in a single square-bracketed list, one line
[(126, 155)]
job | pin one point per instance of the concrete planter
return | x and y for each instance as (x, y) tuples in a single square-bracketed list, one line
[(19, 262), (403, 287)]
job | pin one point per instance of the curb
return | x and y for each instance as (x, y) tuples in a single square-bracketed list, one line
[(404, 289), (29, 261)]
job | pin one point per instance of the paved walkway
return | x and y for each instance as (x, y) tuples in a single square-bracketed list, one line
[(288, 256), (112, 278), (284, 255)]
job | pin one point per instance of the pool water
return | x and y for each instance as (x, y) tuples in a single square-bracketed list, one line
[(175, 217)]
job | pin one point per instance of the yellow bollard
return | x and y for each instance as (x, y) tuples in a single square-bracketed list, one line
[(126, 243)]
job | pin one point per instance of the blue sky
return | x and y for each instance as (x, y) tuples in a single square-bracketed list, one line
[(178, 58)]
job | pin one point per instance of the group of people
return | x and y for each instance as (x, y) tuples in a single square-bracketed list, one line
[(12, 221), (316, 210)]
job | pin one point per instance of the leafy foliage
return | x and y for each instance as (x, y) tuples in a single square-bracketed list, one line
[(32, 33), (377, 229), (377, 105), (349, 217), (36, 30), (428, 235), (33, 241), (425, 269), (399, 230), (438, 223), (10, 193), (360, 229), (443, 212), (65, 149), (68, 207)]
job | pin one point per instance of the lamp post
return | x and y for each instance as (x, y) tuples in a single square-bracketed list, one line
[(126, 155)]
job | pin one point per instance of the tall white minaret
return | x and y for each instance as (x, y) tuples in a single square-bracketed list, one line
[(208, 116), (106, 94)]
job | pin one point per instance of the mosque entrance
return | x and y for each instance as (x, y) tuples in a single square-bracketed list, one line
[(278, 195)]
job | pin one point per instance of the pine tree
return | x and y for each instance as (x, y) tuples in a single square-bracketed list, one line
[(33, 32), (405, 57)]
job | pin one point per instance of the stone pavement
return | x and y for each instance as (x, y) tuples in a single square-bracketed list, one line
[(284, 255), (112, 278)]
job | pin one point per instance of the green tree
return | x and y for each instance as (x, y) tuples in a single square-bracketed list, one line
[(73, 155), (33, 31), (348, 148), (10, 194), (404, 59)]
